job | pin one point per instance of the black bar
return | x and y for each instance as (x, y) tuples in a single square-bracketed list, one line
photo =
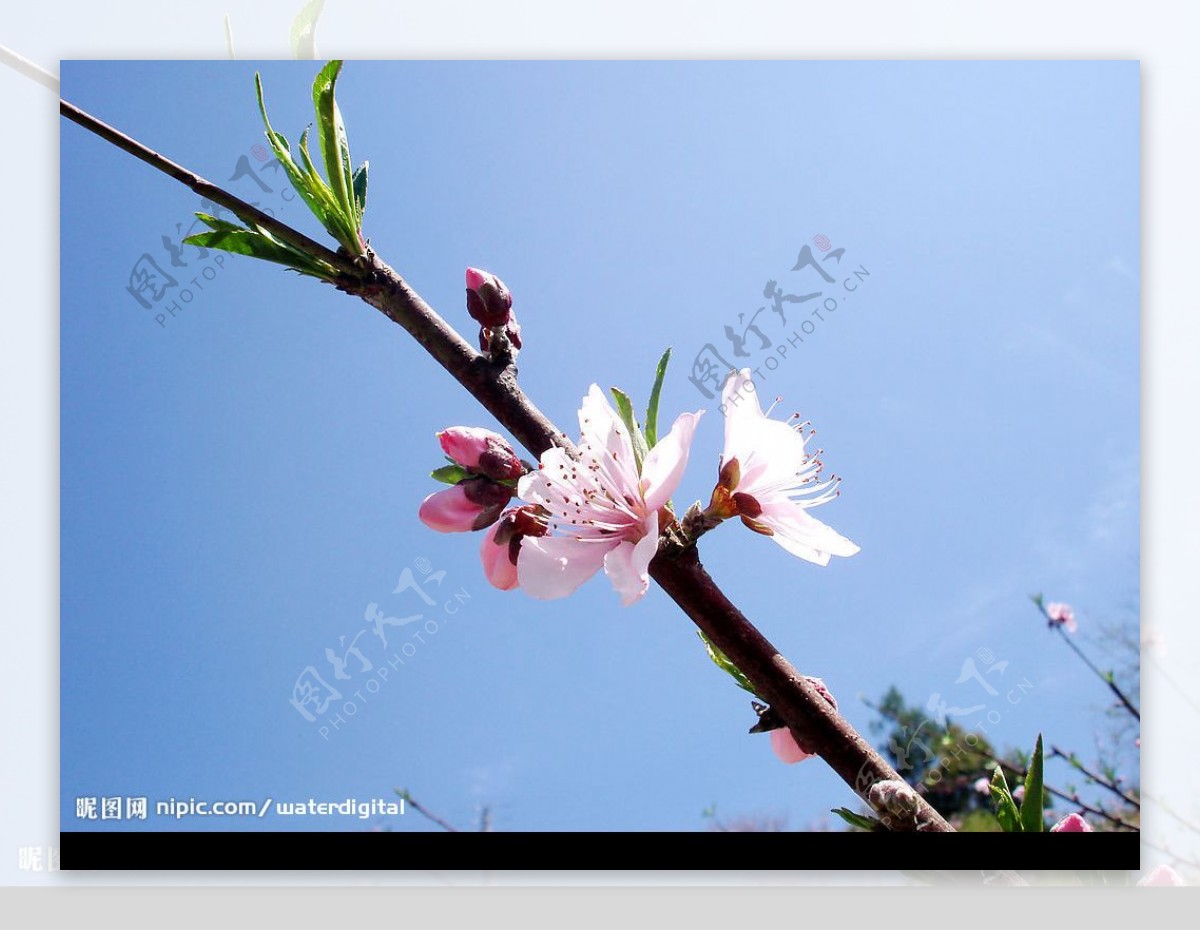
[(260, 851)]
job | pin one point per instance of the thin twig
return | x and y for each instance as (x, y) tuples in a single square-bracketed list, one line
[(1107, 678), (425, 812), (808, 715), (1098, 779), (247, 213)]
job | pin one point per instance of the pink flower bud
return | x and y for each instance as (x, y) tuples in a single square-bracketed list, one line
[(1061, 615), (785, 746), (782, 741), (502, 544), (469, 505), (1163, 876), (500, 570), (481, 451), (488, 300), (1072, 823)]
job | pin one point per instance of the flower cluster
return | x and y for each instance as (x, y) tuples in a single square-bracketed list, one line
[(604, 503)]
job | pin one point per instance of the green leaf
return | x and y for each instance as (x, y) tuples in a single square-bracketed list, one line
[(449, 474), (302, 183), (724, 663), (327, 208), (360, 191), (1032, 818), (855, 820), (625, 409), (652, 407), (259, 244), (304, 30), (1006, 808), (331, 138)]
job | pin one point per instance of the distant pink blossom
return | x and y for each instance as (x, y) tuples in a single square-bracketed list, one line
[(1019, 793), (603, 513), (770, 480), (1072, 823), (983, 785), (1061, 615), (1163, 876)]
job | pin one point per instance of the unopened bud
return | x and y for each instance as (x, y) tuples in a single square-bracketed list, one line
[(481, 451), (488, 299)]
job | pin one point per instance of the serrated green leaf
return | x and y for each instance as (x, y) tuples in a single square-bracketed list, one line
[(304, 30), (625, 410), (1032, 818), (726, 665), (855, 820), (1006, 808), (450, 474), (360, 191), (331, 138), (652, 407)]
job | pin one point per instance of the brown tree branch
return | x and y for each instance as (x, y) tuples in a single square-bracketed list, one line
[(812, 721)]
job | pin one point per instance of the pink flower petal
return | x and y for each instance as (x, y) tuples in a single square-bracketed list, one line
[(664, 465), (550, 567), (497, 565), (627, 564)]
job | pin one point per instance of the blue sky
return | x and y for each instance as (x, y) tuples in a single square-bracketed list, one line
[(239, 484)]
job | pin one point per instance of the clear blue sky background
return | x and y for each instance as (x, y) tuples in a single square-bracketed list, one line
[(239, 484)]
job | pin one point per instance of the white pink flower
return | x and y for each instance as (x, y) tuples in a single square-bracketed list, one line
[(602, 513), (983, 785), (770, 480), (1061, 615)]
